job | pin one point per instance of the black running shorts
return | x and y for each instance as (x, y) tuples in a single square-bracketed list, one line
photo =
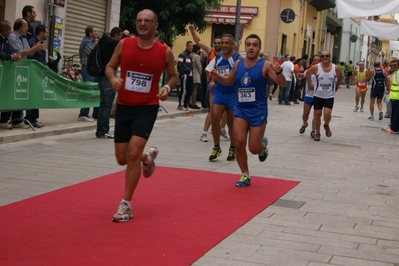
[(134, 121), (319, 103)]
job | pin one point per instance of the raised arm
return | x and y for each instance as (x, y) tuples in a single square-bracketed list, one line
[(198, 41)]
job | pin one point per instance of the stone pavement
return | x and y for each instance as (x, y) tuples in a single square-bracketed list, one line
[(344, 211)]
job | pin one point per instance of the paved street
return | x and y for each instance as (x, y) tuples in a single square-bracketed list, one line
[(348, 183)]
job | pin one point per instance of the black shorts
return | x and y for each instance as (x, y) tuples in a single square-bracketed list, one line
[(349, 74), (319, 103), (134, 121), (377, 93)]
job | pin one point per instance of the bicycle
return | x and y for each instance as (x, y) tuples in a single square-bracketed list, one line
[(70, 70)]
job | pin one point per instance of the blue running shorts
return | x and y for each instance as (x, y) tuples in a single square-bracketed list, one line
[(254, 116), (227, 99)]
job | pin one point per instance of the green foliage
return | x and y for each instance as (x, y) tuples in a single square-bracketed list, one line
[(173, 15)]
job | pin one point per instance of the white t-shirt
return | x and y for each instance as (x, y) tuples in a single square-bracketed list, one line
[(211, 65), (288, 69)]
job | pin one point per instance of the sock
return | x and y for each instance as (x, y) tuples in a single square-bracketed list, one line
[(232, 147), (205, 132), (126, 201), (217, 145), (246, 174)]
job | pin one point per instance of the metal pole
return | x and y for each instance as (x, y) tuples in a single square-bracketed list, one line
[(237, 26)]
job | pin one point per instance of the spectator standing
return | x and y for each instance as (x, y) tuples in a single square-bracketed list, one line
[(41, 35), (185, 69), (394, 98), (288, 73), (7, 54), (85, 48), (19, 44), (29, 14), (142, 61), (107, 95), (197, 72)]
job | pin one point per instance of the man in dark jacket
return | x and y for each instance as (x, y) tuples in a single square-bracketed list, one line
[(7, 54), (107, 95), (185, 69)]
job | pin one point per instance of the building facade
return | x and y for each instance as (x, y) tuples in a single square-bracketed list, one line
[(292, 27)]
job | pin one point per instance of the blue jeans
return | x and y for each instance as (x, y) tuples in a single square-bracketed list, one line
[(107, 96), (284, 92), (87, 77)]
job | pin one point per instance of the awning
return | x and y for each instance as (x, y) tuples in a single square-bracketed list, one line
[(322, 4), (225, 18)]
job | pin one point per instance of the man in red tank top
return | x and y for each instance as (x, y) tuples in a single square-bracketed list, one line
[(142, 61)]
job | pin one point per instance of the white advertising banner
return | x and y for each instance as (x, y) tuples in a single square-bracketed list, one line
[(365, 8), (393, 45), (379, 29)]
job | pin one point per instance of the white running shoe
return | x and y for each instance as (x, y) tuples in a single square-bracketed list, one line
[(204, 137), (356, 108), (224, 134), (361, 109), (124, 213), (85, 119), (148, 169), (5, 126)]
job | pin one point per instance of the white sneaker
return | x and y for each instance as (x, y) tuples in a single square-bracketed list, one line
[(20, 125), (5, 126), (356, 108), (124, 213), (148, 169), (204, 137), (85, 119), (224, 134), (361, 109)]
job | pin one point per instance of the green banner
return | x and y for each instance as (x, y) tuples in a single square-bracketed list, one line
[(28, 84)]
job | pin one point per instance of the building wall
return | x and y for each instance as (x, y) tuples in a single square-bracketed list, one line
[(270, 28), (352, 50)]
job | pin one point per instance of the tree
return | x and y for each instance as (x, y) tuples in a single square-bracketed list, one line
[(173, 15)]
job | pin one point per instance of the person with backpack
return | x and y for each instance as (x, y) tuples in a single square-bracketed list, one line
[(106, 46)]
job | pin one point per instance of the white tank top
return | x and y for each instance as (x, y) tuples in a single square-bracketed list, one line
[(325, 83), (310, 93)]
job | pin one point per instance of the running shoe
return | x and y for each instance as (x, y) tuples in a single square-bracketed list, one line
[(317, 137), (224, 134), (244, 181), (216, 153), (356, 108), (361, 109), (232, 154), (270, 97), (395, 132), (204, 137), (371, 118), (124, 213), (148, 169), (85, 119), (387, 130), (380, 115), (328, 131), (312, 134), (302, 129), (265, 152)]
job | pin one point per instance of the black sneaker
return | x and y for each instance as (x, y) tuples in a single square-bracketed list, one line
[(232, 154), (302, 129), (216, 153), (312, 134)]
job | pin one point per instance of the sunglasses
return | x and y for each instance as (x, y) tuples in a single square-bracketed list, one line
[(324, 56), (216, 42)]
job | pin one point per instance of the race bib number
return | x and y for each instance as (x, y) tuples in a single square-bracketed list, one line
[(223, 70), (362, 83), (325, 86), (138, 82), (246, 95)]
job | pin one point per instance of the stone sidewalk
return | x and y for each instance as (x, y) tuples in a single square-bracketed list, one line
[(344, 211)]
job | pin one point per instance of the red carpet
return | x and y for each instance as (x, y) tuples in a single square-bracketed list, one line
[(179, 214)]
